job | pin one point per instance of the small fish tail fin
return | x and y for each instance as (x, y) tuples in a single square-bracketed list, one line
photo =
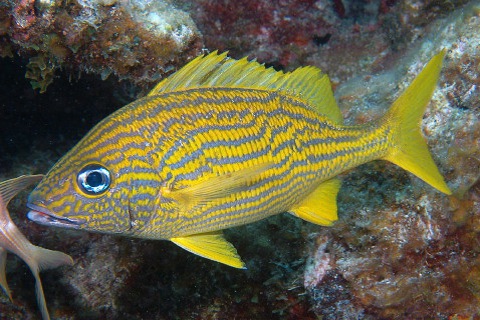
[(45, 259), (3, 278), (42, 304), (410, 150), (49, 259)]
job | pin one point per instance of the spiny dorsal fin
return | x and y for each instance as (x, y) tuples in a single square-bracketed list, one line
[(212, 246), (218, 70)]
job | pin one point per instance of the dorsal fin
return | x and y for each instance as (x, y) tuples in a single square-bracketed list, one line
[(218, 70), (10, 188)]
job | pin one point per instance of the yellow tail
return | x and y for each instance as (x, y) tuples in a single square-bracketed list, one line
[(410, 151)]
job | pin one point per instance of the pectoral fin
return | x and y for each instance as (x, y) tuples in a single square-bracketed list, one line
[(217, 186), (212, 246), (320, 207)]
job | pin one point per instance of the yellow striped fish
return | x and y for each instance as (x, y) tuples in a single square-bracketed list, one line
[(223, 143)]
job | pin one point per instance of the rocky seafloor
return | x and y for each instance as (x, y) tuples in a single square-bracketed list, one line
[(400, 249)]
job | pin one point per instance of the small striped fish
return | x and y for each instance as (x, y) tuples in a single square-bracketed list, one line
[(223, 143), (13, 240)]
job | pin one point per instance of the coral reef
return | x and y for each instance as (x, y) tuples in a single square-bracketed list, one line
[(340, 36), (135, 40), (399, 250), (41, 72), (277, 32), (405, 251)]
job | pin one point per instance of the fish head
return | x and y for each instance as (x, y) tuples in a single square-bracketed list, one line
[(81, 195), (107, 192)]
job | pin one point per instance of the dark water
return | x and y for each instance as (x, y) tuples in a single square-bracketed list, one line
[(122, 278), (51, 121)]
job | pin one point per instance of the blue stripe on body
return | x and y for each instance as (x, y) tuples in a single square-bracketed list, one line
[(192, 176), (240, 158), (194, 155), (240, 214), (287, 185)]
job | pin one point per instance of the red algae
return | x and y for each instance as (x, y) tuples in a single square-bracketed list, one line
[(281, 33)]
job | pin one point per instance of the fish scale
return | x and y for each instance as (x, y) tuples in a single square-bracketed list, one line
[(266, 110), (223, 143)]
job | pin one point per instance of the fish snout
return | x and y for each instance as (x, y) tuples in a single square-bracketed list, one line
[(45, 217)]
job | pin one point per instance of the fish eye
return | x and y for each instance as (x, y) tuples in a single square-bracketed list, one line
[(94, 179)]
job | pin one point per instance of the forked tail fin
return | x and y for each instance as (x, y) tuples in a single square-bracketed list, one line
[(410, 150), (41, 259)]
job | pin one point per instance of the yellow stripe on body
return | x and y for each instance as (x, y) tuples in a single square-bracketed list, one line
[(176, 140), (284, 184)]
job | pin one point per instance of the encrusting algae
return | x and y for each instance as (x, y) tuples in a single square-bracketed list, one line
[(223, 143), (11, 239)]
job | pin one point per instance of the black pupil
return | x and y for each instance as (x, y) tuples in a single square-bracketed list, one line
[(94, 179)]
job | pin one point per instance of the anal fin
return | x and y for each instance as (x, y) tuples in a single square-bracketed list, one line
[(320, 207), (212, 246)]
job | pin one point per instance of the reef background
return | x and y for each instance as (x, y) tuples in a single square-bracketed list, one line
[(399, 250)]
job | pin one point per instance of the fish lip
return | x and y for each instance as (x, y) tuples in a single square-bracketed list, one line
[(44, 217)]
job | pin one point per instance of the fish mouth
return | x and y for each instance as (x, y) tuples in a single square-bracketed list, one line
[(45, 217)]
